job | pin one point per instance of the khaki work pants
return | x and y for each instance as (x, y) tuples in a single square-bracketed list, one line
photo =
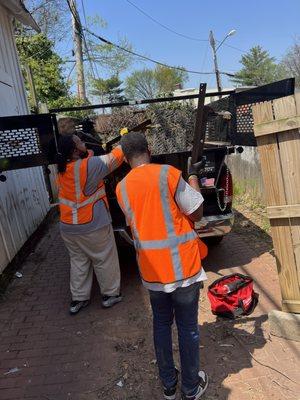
[(95, 250)]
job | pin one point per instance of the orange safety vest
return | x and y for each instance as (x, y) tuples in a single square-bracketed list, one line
[(75, 207), (168, 248)]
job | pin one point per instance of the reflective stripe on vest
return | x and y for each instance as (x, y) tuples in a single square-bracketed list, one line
[(76, 205), (173, 241)]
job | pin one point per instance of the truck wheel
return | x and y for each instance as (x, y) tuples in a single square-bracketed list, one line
[(213, 241)]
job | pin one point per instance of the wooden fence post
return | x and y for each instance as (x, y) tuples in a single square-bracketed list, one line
[(277, 130)]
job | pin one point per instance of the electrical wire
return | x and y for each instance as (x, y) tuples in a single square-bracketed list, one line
[(106, 41), (165, 26), (178, 33), (81, 33), (70, 72), (86, 45), (205, 56), (102, 39)]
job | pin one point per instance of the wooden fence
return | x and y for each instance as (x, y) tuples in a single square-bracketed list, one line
[(277, 129)]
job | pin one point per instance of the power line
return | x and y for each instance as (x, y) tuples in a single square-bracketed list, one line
[(81, 33), (71, 70), (86, 45), (178, 33), (232, 47), (165, 26), (106, 41), (102, 39)]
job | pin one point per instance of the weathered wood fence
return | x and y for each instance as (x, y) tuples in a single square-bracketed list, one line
[(277, 129)]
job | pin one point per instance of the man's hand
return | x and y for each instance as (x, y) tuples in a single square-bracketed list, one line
[(195, 168), (123, 131)]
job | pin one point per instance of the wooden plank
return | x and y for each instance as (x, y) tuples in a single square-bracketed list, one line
[(295, 231), (262, 112), (286, 211), (289, 148), (297, 100), (271, 172), (280, 125), (269, 156), (284, 107), (286, 265), (292, 306)]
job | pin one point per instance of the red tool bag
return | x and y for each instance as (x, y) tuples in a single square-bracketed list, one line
[(232, 296)]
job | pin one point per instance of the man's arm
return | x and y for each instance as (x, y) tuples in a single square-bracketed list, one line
[(189, 200), (198, 213), (101, 166), (114, 159)]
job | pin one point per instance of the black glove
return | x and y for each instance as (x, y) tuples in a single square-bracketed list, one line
[(196, 168)]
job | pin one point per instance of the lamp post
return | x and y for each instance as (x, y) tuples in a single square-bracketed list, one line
[(214, 50)]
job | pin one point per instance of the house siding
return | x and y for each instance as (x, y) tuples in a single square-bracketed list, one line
[(23, 197)]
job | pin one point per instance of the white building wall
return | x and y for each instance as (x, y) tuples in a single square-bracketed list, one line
[(23, 197)]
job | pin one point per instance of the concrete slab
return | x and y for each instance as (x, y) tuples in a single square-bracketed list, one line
[(285, 325)]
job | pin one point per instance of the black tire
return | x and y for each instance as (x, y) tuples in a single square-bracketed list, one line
[(213, 240)]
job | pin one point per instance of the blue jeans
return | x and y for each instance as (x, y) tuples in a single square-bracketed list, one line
[(183, 303)]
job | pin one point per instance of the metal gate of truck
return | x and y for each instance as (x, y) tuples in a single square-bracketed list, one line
[(239, 104)]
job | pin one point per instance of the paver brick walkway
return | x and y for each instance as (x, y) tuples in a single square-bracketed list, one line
[(108, 354)]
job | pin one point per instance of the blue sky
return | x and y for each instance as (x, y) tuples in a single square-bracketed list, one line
[(272, 24)]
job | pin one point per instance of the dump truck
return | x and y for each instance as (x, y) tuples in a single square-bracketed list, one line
[(219, 130)]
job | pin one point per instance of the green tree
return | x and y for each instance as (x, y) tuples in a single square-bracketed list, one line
[(141, 84), (259, 68), (108, 89), (72, 101), (168, 79), (147, 83), (37, 52)]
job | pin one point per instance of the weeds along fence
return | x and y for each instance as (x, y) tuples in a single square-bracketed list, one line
[(246, 173)]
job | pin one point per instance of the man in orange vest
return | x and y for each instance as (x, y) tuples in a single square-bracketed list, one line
[(85, 222), (160, 208)]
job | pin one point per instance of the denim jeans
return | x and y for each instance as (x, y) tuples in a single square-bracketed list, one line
[(183, 303)]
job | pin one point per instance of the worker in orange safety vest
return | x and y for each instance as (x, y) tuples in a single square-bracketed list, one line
[(85, 222), (160, 208)]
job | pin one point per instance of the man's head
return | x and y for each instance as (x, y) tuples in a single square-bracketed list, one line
[(70, 148), (135, 148)]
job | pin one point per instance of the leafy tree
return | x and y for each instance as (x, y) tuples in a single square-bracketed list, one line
[(147, 83), (168, 79), (259, 68), (141, 84), (37, 52), (291, 62), (108, 89), (51, 16), (72, 101), (110, 57)]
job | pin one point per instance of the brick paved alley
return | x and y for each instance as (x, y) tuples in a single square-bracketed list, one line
[(108, 354)]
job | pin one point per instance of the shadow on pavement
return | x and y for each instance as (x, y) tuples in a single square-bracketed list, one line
[(226, 351)]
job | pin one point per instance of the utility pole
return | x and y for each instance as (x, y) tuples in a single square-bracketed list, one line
[(32, 88), (77, 37), (213, 46)]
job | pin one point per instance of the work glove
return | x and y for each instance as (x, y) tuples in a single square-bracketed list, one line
[(123, 131), (195, 168)]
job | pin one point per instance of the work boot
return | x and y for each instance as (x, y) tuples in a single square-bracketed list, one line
[(202, 386), (109, 301), (170, 393), (76, 306)]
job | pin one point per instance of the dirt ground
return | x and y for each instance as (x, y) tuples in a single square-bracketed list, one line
[(108, 354)]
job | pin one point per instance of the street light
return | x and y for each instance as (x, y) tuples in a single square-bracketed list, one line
[(230, 33), (214, 50)]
